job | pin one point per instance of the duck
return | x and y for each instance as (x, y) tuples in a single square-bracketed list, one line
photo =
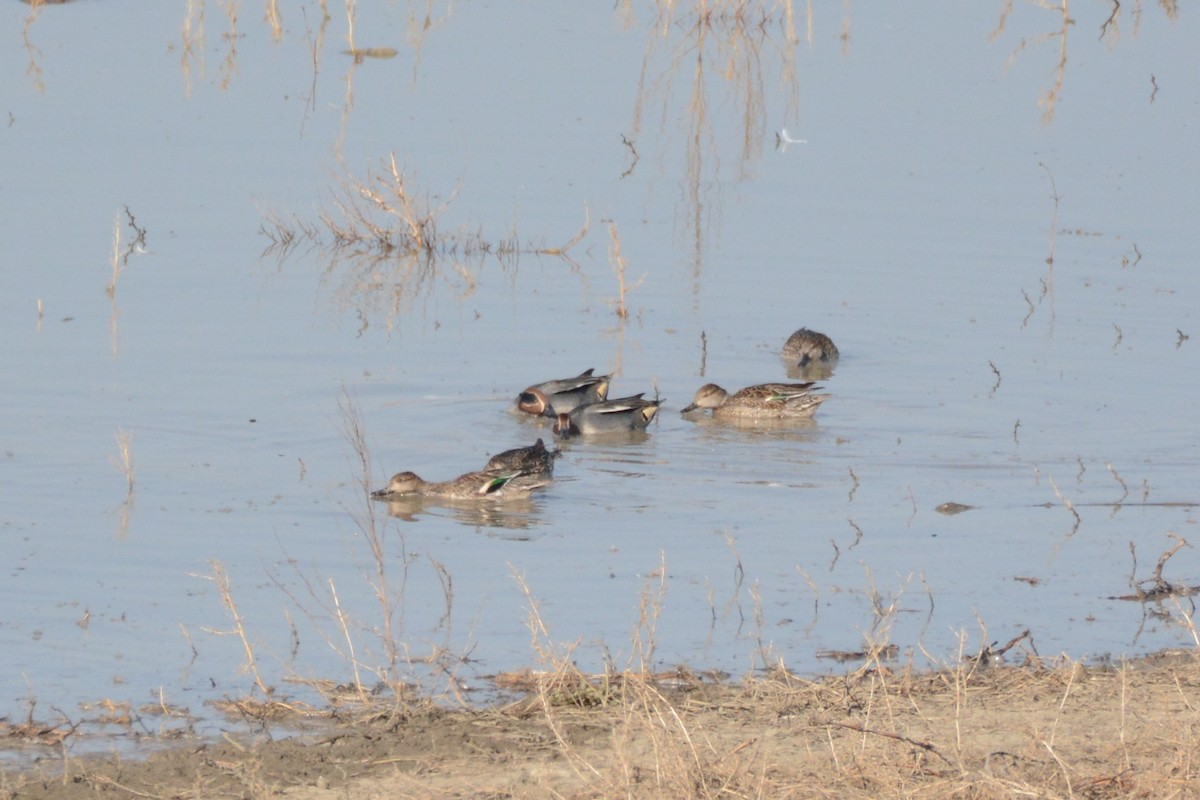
[(532, 460), (805, 346), (480, 485), (564, 395), (765, 401), (631, 413)]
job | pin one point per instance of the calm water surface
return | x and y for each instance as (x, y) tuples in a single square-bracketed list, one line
[(1001, 244)]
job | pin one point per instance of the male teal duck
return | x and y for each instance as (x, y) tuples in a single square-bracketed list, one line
[(610, 416), (765, 401), (551, 398), (806, 347), (481, 485), (532, 460)]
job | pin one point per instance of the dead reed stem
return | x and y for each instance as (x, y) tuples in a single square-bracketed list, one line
[(650, 602), (221, 579), (344, 625), (387, 596)]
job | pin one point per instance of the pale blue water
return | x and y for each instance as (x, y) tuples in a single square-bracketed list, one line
[(913, 226)]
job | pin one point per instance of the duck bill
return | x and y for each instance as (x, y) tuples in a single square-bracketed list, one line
[(562, 426)]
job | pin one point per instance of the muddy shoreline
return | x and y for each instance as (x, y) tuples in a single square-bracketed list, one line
[(977, 730)]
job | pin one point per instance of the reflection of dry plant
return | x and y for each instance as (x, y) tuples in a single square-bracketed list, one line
[(192, 42), (229, 65), (116, 261), (275, 20), (193, 45), (1048, 102), (119, 258), (125, 463), (34, 69), (1109, 30), (732, 45), (617, 259)]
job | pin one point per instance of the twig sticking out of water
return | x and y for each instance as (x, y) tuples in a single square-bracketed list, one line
[(1048, 281), (858, 534), (1032, 308), (1057, 198), (1070, 506), (1180, 543), (633, 150), (1126, 261), (990, 654), (1124, 486), (1158, 587)]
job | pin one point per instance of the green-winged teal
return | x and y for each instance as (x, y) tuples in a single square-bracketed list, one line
[(810, 356), (767, 400), (482, 485), (610, 416), (532, 460), (551, 398), (805, 346)]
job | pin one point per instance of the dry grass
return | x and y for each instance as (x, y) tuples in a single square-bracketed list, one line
[(967, 730), (383, 214), (381, 673), (996, 721), (387, 246), (221, 580)]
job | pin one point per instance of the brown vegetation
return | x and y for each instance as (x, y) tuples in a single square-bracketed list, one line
[(972, 730)]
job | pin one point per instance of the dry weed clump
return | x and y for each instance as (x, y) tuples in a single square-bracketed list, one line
[(387, 247), (979, 728), (971, 730), (381, 213)]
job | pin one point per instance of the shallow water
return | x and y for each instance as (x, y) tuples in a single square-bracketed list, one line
[(914, 226)]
